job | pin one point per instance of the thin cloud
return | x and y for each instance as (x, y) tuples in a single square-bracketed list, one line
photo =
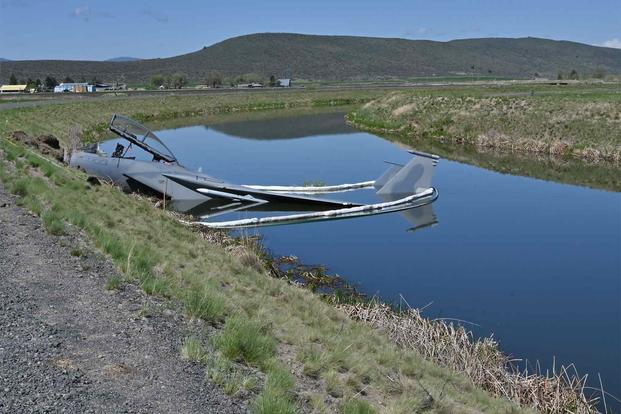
[(615, 42), (424, 31), (86, 13), (155, 15)]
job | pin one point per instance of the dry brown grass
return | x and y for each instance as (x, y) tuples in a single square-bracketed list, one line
[(450, 345), (585, 126)]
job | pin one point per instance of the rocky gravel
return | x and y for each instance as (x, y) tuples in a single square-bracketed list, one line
[(69, 345)]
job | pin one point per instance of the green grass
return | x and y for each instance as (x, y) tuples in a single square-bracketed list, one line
[(53, 223), (277, 396), (205, 304), (229, 376), (246, 340), (113, 283), (156, 286), (355, 406), (334, 385), (19, 187), (76, 252), (193, 350), (310, 356)]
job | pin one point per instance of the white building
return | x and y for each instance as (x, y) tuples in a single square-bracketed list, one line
[(81, 87), (13, 88)]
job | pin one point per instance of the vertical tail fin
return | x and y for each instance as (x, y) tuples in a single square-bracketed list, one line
[(413, 177)]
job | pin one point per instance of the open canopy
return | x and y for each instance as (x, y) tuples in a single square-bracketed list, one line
[(142, 137)]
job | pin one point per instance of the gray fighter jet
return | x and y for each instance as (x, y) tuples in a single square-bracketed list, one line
[(401, 187)]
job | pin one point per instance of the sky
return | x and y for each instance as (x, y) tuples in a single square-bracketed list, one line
[(102, 29)]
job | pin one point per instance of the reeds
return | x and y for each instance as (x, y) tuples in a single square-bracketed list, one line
[(481, 361)]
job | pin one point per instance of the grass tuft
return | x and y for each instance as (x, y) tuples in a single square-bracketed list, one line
[(272, 402), (76, 252), (310, 356), (156, 286), (226, 374), (205, 304), (355, 406), (277, 396), (53, 223), (245, 340), (334, 385), (113, 283), (19, 187), (193, 350)]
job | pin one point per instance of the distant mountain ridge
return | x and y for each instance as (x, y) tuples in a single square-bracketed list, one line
[(343, 58), (122, 59)]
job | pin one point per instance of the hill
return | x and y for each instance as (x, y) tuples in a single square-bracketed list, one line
[(343, 58), (122, 59)]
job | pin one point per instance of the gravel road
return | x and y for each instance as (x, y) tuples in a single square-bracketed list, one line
[(69, 345)]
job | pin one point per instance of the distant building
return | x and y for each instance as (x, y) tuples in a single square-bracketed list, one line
[(81, 87), (285, 83), (250, 85), (13, 88)]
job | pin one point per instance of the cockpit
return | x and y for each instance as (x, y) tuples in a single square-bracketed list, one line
[(140, 136)]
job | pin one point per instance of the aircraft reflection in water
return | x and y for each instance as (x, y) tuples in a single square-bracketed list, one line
[(405, 188)]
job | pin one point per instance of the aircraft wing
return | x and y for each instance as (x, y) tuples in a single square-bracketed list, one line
[(215, 189)]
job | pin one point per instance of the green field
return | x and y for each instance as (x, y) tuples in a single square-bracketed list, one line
[(289, 348)]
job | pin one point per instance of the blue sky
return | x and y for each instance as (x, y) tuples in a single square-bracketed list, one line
[(98, 29)]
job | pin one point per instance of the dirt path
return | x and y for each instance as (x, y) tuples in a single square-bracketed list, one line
[(69, 345)]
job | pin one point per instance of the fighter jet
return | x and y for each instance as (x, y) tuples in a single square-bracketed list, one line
[(401, 187)]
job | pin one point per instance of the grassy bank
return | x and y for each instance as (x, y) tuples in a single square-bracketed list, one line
[(578, 125)]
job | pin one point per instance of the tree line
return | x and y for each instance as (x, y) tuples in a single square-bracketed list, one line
[(213, 79)]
